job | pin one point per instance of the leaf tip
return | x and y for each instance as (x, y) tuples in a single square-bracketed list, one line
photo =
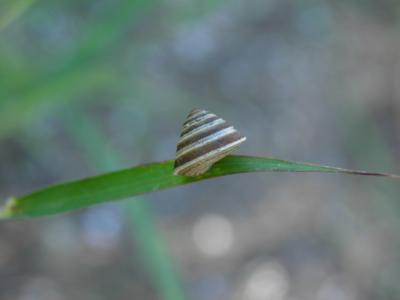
[(9, 208)]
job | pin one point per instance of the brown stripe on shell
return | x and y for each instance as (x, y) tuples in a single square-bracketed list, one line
[(195, 115), (202, 134), (202, 128), (201, 164), (198, 124), (205, 139), (195, 111), (197, 118), (196, 153)]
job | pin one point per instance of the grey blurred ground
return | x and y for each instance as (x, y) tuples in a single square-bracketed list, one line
[(313, 81)]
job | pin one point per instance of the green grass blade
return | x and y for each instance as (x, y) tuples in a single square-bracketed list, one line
[(145, 179)]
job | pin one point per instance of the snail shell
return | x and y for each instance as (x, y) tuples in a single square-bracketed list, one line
[(205, 139)]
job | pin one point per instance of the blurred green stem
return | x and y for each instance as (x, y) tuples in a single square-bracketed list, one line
[(72, 74), (11, 10), (101, 157)]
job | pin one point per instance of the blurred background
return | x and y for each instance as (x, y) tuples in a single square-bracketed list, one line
[(92, 86)]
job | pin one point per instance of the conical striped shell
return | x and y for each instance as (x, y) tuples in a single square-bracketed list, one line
[(205, 139)]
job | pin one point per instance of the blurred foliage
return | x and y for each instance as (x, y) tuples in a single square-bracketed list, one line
[(70, 76)]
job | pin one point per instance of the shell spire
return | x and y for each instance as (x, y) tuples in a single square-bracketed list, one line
[(204, 140)]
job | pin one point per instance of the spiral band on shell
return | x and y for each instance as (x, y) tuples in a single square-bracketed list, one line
[(205, 139)]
